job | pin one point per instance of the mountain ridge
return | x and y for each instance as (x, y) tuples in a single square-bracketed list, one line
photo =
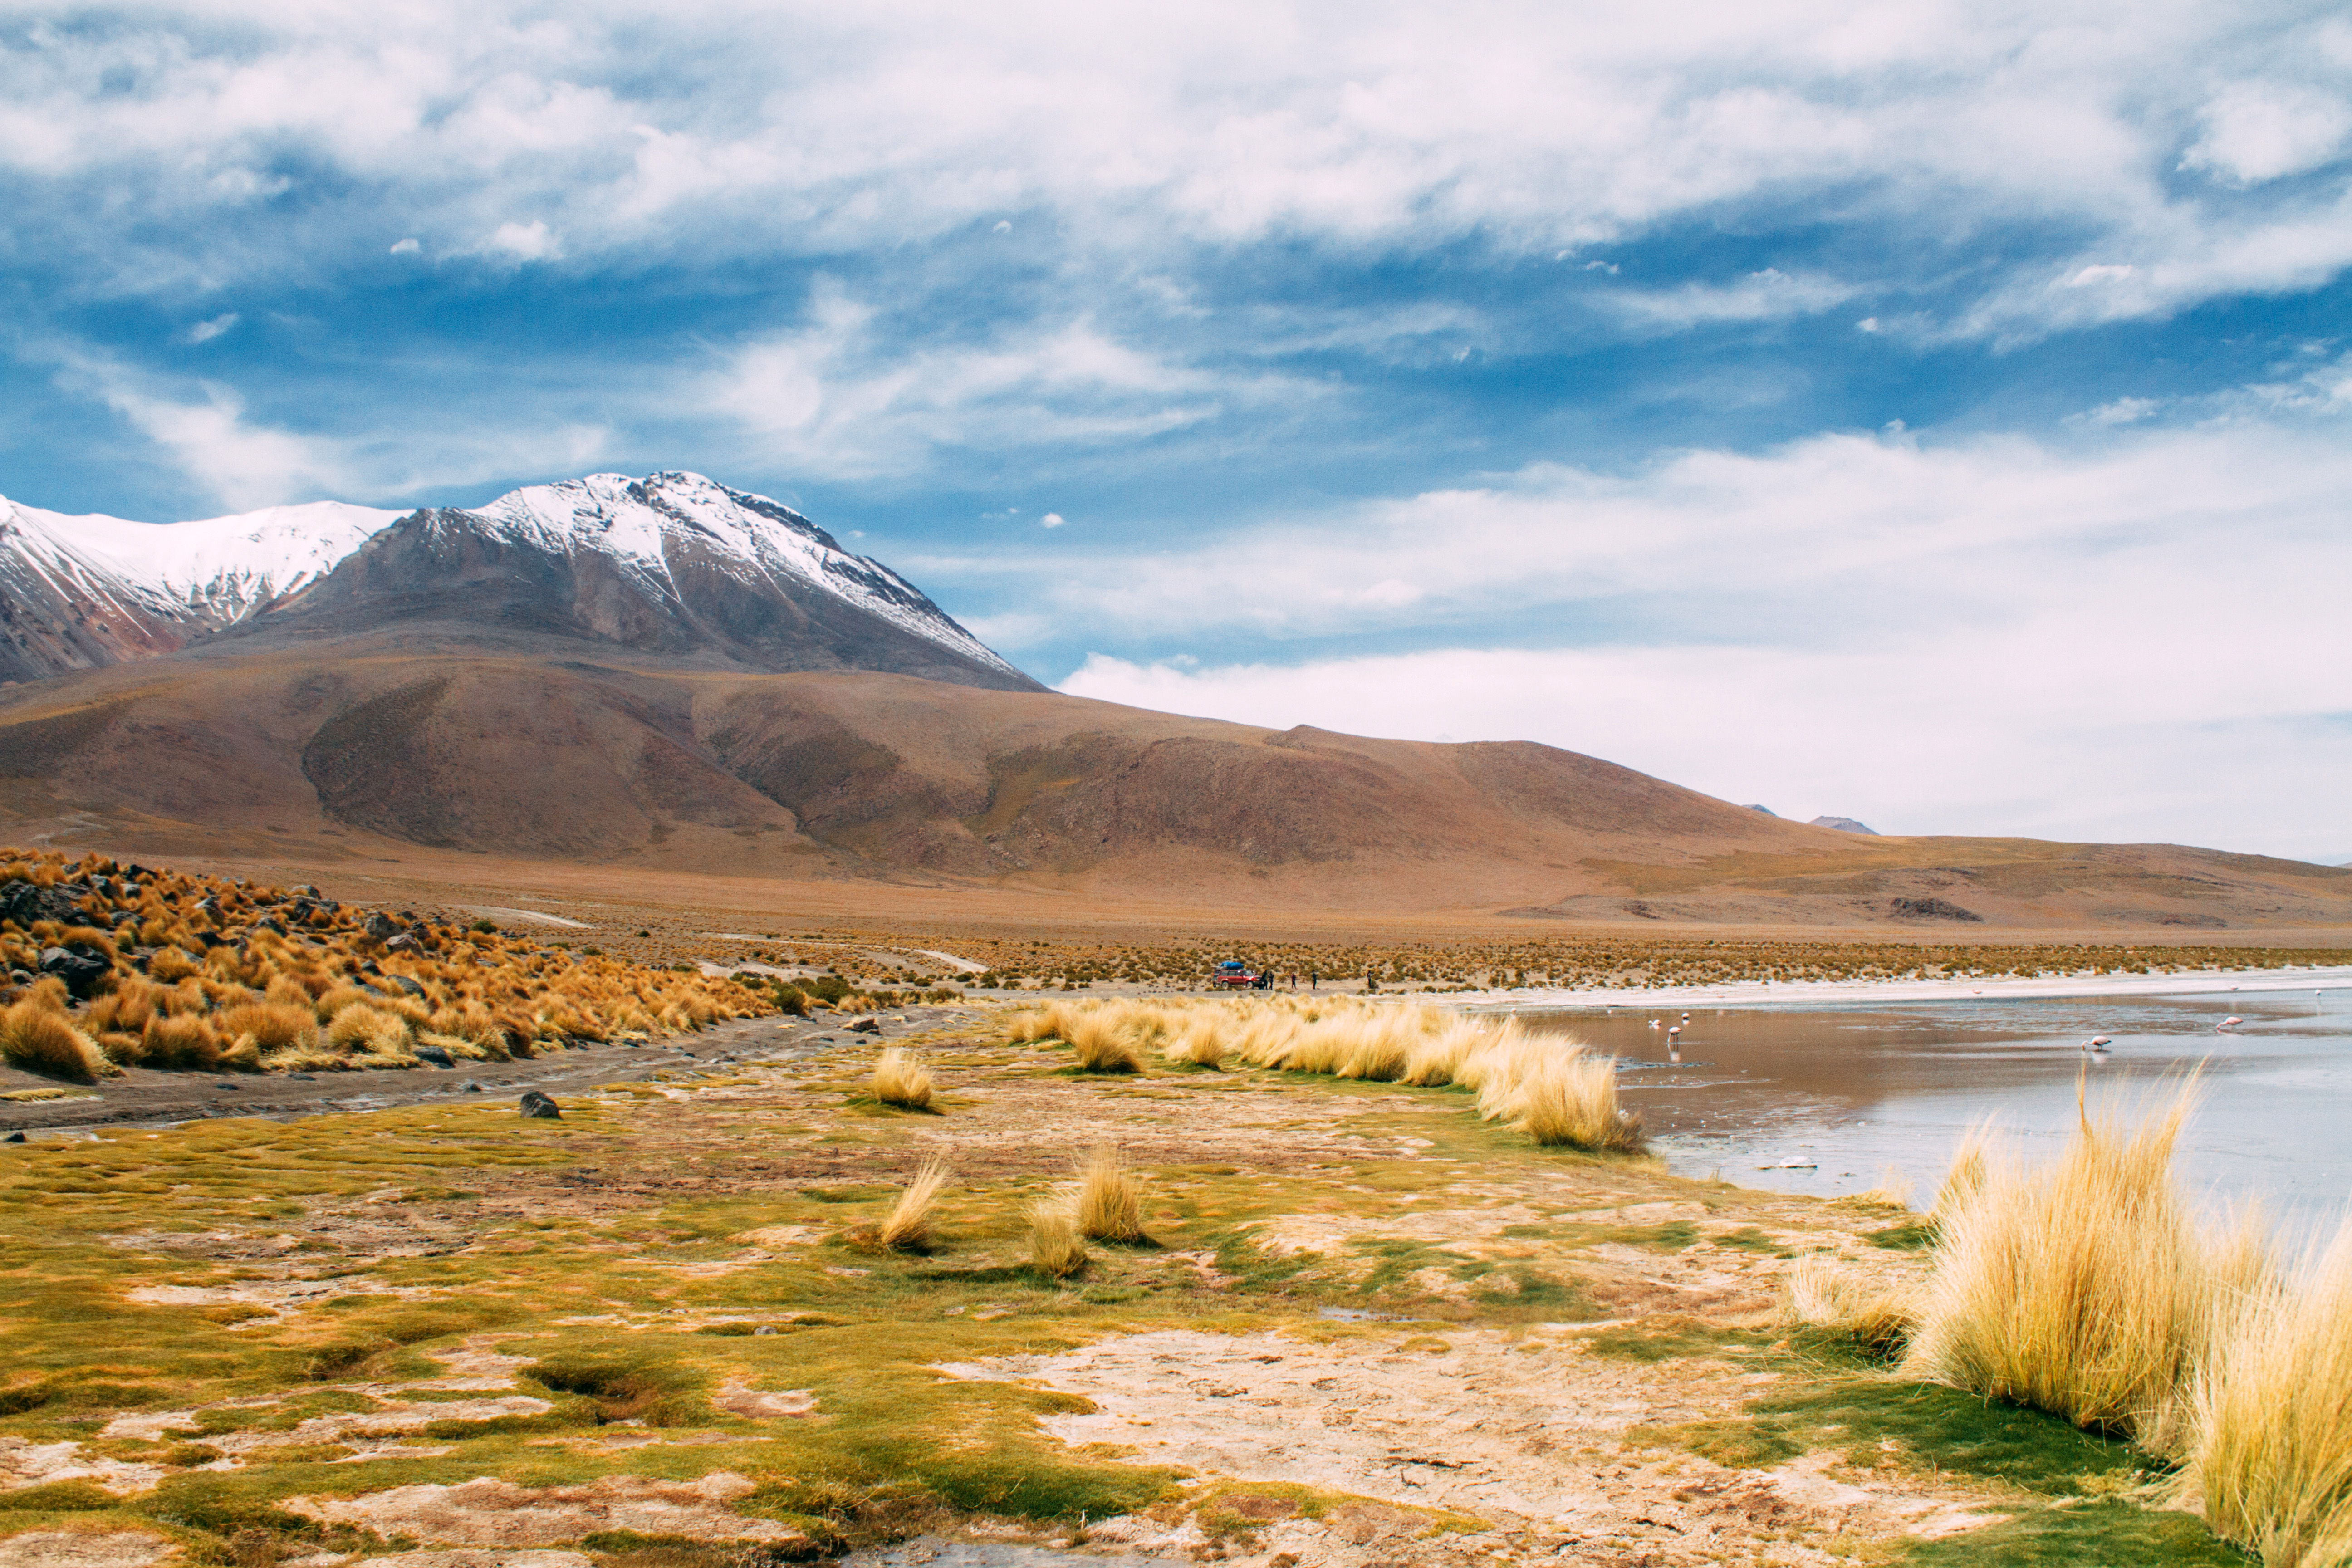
[(673, 564)]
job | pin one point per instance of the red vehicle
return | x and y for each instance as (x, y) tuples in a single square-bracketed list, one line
[(1232, 976)]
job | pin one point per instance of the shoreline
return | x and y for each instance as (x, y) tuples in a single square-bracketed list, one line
[(1800, 992)]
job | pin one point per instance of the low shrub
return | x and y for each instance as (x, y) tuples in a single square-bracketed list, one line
[(899, 1079), (37, 1038)]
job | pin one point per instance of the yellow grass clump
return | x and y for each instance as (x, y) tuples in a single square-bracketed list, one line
[(274, 1025), (1109, 1204), (1564, 1098), (1056, 1249), (1555, 1090), (899, 1079), (2270, 1462), (1198, 1043), (1101, 1044), (2086, 1289), (179, 1041), (907, 1226), (359, 1030), (1823, 1294), (35, 1037)]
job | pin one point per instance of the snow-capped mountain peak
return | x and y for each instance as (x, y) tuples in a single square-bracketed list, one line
[(673, 564), (77, 591)]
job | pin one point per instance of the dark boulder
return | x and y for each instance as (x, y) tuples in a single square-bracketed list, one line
[(25, 902), (380, 926), (404, 943), (537, 1105), (81, 972), (437, 1055)]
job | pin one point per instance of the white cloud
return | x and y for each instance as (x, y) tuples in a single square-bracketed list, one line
[(835, 399), (1051, 520), (530, 241), (406, 246), (737, 130), (206, 332), (1767, 295), (245, 465), (2259, 132)]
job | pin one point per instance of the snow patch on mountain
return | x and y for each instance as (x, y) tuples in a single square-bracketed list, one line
[(215, 569), (657, 526)]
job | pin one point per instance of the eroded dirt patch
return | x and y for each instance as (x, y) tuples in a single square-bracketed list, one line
[(490, 1512), (1522, 1431)]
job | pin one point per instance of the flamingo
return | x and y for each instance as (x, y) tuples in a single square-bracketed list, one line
[(2097, 1045), (2225, 1023)]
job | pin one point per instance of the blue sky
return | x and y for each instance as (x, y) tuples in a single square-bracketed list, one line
[(1935, 414)]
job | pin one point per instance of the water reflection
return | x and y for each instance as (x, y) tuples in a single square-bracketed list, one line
[(1859, 1090)]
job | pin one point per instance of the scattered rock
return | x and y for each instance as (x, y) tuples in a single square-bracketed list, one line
[(25, 902), (865, 1026), (1933, 910), (470, 1087), (404, 943), (12, 1138), (380, 926), (405, 984), (437, 1055), (537, 1105), (80, 971)]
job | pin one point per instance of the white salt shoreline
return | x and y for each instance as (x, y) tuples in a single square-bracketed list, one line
[(1833, 993)]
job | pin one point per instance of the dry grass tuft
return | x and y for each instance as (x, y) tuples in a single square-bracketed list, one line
[(1056, 1249), (1824, 1295), (36, 1037), (1563, 1098), (2086, 1289), (907, 1226), (1198, 1043), (1101, 1044), (1110, 1200), (2270, 1464), (899, 1079), (184, 1041)]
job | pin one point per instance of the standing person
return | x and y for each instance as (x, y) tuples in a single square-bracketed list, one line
[(1312, 977)]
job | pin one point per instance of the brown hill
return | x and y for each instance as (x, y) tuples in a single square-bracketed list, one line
[(361, 746)]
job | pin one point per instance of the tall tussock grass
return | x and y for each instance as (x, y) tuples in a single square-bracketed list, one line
[(1554, 1089), (1110, 1200), (2090, 1289), (907, 1226), (2270, 1463), (1056, 1249), (37, 1038), (2086, 1288), (899, 1079)]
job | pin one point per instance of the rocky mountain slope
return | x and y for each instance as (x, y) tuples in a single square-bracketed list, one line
[(673, 564)]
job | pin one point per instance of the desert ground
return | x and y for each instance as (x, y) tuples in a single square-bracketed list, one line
[(1362, 1326), (322, 1319)]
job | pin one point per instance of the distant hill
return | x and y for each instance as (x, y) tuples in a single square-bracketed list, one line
[(1844, 824), (667, 674)]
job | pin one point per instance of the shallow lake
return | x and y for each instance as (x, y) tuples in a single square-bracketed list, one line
[(1861, 1088)]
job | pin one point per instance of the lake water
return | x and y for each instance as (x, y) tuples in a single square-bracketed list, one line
[(1859, 1089)]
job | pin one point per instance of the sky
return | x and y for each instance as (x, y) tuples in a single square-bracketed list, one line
[(1938, 415)]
